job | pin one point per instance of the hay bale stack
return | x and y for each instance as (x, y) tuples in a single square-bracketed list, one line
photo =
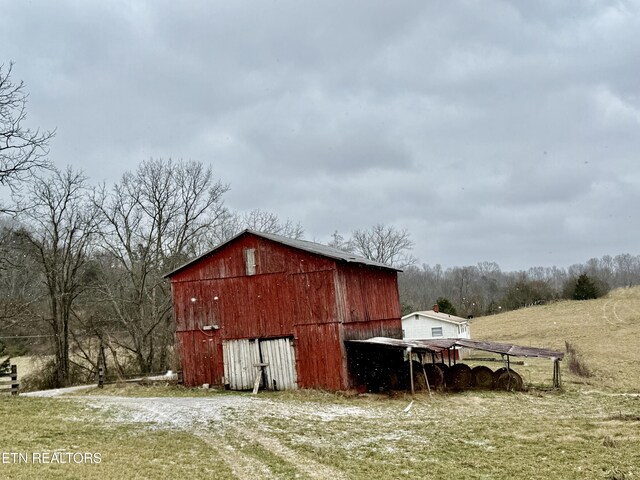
[(419, 382), (504, 379), (482, 377), (458, 377), (435, 376)]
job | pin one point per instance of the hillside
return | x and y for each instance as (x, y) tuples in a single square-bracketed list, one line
[(605, 331)]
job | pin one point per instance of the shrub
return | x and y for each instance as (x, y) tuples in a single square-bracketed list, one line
[(575, 364), (445, 306), (41, 378), (44, 377), (526, 293)]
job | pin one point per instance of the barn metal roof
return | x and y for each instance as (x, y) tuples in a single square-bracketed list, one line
[(435, 346), (311, 247)]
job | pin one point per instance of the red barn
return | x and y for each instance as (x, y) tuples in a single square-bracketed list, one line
[(288, 306)]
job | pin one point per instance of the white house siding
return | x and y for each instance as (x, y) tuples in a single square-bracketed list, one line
[(420, 328)]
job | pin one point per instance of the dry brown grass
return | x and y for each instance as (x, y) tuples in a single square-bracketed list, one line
[(605, 331), (27, 364)]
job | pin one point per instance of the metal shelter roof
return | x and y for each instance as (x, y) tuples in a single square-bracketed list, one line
[(436, 346)]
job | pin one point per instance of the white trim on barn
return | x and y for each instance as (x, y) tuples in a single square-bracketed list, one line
[(431, 324)]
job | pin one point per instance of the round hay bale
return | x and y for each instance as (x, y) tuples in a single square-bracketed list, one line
[(419, 382), (481, 377), (458, 377), (443, 366), (435, 376), (507, 380)]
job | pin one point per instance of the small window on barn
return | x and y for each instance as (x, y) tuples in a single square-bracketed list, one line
[(250, 261), (436, 331)]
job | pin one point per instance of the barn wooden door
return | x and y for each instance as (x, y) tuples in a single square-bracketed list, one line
[(280, 372), (242, 356)]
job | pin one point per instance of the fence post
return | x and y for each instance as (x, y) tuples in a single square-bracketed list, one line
[(557, 383), (100, 377), (14, 380)]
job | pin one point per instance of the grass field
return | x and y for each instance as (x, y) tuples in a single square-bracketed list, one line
[(605, 331), (588, 430)]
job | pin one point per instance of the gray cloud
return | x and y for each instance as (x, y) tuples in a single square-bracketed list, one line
[(503, 131)]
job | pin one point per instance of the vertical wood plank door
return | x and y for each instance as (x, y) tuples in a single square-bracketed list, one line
[(280, 373), (240, 358)]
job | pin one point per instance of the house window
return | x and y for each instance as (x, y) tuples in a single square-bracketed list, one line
[(436, 331), (250, 261)]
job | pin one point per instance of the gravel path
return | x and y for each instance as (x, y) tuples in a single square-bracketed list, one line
[(219, 421), (56, 392)]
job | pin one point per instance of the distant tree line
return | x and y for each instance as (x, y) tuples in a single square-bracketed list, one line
[(484, 289)]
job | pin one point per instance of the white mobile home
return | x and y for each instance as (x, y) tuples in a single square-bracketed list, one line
[(433, 324)]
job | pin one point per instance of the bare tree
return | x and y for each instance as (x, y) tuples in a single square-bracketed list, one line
[(339, 242), (60, 227), (268, 222), (19, 294), (22, 150), (384, 244), (153, 220), (260, 221)]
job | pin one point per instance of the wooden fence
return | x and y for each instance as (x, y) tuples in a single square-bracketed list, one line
[(11, 385), (179, 379)]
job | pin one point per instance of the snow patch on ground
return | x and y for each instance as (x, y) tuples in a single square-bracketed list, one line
[(180, 413), (193, 413)]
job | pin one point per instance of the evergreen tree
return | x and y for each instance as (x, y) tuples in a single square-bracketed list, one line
[(445, 306), (585, 288)]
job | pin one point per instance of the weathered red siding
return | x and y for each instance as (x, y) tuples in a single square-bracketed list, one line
[(320, 357), (201, 355), (369, 302), (318, 301)]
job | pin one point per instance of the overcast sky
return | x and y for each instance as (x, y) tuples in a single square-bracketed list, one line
[(491, 130)]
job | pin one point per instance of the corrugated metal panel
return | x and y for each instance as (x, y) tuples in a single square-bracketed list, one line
[(240, 358), (435, 346), (279, 354)]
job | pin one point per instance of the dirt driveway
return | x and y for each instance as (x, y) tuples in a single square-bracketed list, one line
[(219, 420)]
